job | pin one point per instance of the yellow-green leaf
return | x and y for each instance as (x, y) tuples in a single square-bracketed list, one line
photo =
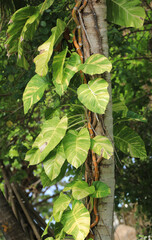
[(34, 91), (94, 95), (77, 221)]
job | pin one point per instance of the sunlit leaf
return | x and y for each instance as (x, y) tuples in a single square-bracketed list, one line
[(34, 91), (70, 69), (77, 221), (125, 13), (60, 205), (101, 190), (76, 146), (94, 95), (58, 63), (80, 189), (53, 131), (102, 146), (96, 64), (46, 49), (54, 162)]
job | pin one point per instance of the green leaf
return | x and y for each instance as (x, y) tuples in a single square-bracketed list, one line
[(58, 63), (46, 229), (101, 190), (129, 141), (54, 162), (131, 116), (102, 146), (69, 186), (77, 221), (96, 64), (61, 235), (119, 106), (70, 69), (76, 146), (45, 5), (24, 23), (60, 205), (80, 189), (53, 131), (94, 95), (125, 13), (34, 91), (46, 49)]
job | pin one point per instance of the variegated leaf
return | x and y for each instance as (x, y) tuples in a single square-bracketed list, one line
[(101, 190), (58, 64), (60, 205), (96, 64), (80, 189), (70, 69), (102, 146), (46, 49), (53, 131), (94, 95), (54, 162), (76, 146), (77, 221), (34, 91)]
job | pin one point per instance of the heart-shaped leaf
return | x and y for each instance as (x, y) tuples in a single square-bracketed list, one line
[(34, 91), (53, 131), (81, 189), (54, 162), (101, 190), (96, 64), (102, 146), (77, 221), (94, 95), (76, 146), (60, 205)]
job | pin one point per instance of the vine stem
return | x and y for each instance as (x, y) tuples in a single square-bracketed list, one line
[(78, 44)]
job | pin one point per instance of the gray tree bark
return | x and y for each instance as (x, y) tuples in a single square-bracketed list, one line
[(94, 25), (8, 222)]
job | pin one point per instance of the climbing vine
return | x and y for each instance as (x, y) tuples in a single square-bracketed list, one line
[(59, 142)]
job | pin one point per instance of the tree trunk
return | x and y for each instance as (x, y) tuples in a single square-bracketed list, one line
[(94, 27), (8, 223)]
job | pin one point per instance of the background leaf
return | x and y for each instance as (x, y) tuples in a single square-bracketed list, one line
[(24, 23), (76, 146), (129, 141), (34, 91), (125, 13), (94, 95)]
